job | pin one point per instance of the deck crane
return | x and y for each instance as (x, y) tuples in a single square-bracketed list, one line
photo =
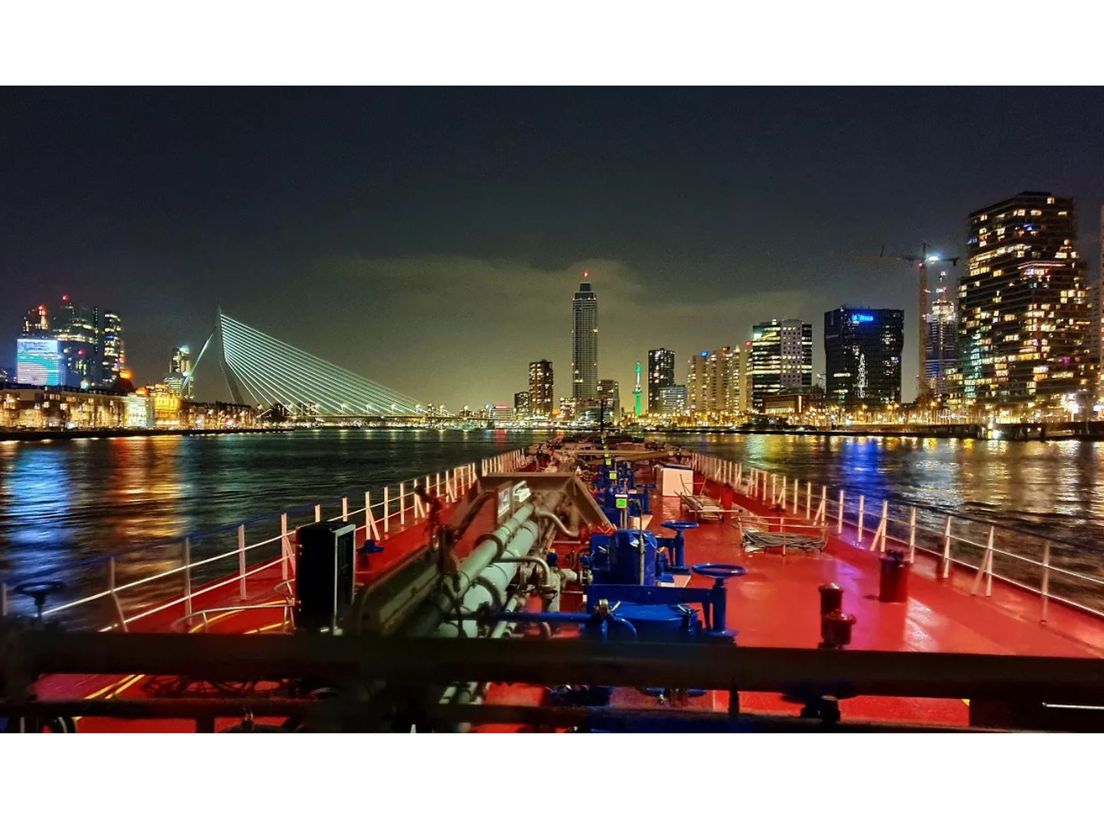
[(922, 262)]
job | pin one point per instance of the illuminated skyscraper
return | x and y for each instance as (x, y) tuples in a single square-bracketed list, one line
[(78, 333), (540, 388), (112, 349), (90, 342), (661, 374), (781, 358), (609, 391), (1024, 317), (941, 359), (713, 381), (521, 404), (584, 342), (37, 322), (862, 350)]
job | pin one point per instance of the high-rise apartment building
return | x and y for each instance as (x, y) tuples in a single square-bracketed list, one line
[(1024, 319), (584, 342), (521, 404), (941, 352), (661, 374), (672, 399), (781, 358), (609, 391), (540, 388), (862, 349), (713, 382)]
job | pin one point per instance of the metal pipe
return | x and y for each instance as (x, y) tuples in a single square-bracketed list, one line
[(545, 513), (461, 594)]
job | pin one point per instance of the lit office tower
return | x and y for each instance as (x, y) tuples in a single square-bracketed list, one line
[(610, 391), (781, 358), (1023, 324), (540, 388), (584, 342), (37, 322), (180, 369), (661, 374), (112, 349), (941, 359), (521, 404), (77, 331), (713, 381), (862, 350)]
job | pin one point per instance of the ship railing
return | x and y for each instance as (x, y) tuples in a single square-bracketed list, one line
[(135, 584), (1050, 570)]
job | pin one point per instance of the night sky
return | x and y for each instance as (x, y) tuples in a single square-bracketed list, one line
[(431, 238)]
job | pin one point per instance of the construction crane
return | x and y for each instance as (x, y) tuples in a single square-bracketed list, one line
[(922, 262)]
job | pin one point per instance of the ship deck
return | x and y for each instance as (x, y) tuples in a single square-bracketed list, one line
[(775, 605)]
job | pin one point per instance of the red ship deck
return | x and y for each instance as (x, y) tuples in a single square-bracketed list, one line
[(775, 605)]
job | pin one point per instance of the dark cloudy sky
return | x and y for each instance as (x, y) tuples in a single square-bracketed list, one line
[(431, 238)]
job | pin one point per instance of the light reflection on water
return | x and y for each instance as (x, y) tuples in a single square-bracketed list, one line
[(65, 501), (1056, 488)]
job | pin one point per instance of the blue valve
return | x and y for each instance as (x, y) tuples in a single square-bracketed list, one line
[(677, 544), (720, 572)]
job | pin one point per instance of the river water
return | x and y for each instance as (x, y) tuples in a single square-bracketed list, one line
[(67, 501)]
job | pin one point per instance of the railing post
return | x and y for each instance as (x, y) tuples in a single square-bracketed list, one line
[(774, 482), (912, 535), (241, 559), (371, 531), (839, 515), (785, 486), (796, 504), (885, 524), (862, 514), (985, 568), (188, 577), (822, 509), (402, 504), (1046, 582), (808, 500), (386, 511), (285, 547), (114, 595), (345, 509), (782, 531), (317, 512), (437, 489), (944, 568)]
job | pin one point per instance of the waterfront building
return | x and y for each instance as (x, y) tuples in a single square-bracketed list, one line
[(862, 349), (713, 382), (521, 404), (1024, 318), (540, 388), (584, 342), (610, 391), (781, 358), (60, 408), (672, 400), (111, 349), (180, 371), (941, 359), (661, 374), (39, 361), (90, 341)]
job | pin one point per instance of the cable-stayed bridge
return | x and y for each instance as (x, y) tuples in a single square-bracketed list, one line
[(263, 370)]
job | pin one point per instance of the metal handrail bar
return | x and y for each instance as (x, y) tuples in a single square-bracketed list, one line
[(243, 607)]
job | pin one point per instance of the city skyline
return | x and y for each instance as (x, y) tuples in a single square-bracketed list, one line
[(349, 255)]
